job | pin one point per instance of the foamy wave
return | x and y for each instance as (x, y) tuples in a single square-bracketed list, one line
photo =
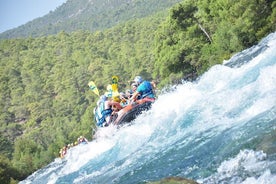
[(248, 167)]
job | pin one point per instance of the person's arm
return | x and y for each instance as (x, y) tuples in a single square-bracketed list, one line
[(134, 96), (153, 84)]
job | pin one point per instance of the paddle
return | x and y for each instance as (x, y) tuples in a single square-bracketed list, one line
[(93, 87)]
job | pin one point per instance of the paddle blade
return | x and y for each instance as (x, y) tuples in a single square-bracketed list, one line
[(114, 84), (93, 87)]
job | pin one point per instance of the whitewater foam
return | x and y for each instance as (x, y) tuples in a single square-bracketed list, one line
[(251, 165)]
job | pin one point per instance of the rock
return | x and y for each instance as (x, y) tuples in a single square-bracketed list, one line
[(174, 180)]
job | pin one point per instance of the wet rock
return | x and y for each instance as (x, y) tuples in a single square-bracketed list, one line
[(174, 180)]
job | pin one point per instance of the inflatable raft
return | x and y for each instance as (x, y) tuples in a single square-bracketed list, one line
[(131, 111)]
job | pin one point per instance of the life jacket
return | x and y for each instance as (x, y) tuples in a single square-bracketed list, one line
[(101, 113), (145, 89)]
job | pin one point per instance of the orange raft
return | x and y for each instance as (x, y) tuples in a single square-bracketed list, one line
[(131, 111)]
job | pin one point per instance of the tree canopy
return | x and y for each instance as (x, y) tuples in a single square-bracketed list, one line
[(199, 34)]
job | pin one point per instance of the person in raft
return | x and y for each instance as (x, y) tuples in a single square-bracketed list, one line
[(104, 110), (145, 89)]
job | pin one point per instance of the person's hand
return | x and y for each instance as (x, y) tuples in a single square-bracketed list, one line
[(129, 101)]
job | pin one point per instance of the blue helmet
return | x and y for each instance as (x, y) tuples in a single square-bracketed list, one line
[(138, 79), (103, 98)]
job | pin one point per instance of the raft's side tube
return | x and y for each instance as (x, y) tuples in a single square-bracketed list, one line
[(130, 112)]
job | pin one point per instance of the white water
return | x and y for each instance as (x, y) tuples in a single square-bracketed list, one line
[(212, 130), (247, 162)]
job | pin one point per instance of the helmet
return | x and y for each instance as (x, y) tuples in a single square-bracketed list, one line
[(138, 79), (134, 84), (103, 98), (116, 98)]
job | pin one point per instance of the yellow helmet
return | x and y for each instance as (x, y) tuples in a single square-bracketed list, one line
[(116, 98)]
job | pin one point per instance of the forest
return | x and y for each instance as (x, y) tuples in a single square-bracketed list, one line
[(45, 99), (90, 15)]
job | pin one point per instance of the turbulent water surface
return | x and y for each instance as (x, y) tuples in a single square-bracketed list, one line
[(219, 129)]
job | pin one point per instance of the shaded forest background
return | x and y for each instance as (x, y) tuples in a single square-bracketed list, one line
[(45, 99)]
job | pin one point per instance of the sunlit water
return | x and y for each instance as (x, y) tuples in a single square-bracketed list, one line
[(219, 129)]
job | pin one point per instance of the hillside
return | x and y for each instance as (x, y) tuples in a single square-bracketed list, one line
[(91, 15)]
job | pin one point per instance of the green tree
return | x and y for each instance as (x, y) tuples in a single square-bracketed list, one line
[(7, 172)]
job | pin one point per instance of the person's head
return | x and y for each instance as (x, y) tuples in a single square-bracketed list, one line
[(138, 79), (128, 92), (134, 86), (103, 98), (122, 96), (116, 98)]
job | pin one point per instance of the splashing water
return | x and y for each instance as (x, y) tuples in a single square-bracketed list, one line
[(219, 129)]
